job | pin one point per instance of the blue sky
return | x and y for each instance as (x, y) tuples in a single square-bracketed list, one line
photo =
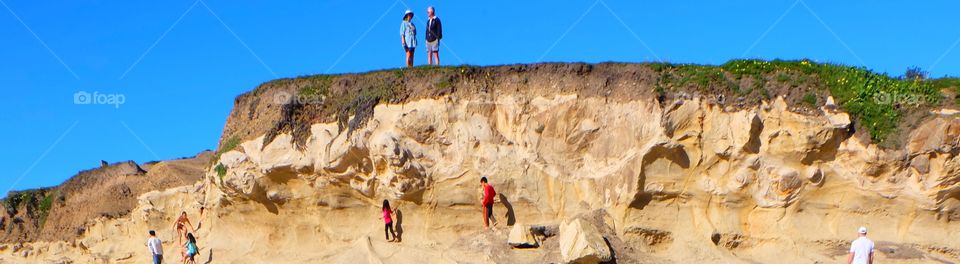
[(179, 64)]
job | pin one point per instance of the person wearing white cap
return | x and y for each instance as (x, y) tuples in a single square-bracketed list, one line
[(408, 36), (861, 250)]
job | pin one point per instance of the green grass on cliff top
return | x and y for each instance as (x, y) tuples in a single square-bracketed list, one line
[(877, 101)]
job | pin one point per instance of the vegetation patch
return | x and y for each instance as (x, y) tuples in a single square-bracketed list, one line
[(221, 171), (228, 145), (45, 205), (810, 99), (317, 87), (11, 203), (36, 202)]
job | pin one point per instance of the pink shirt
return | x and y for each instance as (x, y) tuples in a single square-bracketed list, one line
[(386, 216)]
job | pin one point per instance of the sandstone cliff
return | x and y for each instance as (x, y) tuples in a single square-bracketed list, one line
[(622, 173)]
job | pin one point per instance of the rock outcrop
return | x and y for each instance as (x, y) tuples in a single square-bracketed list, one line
[(581, 242)]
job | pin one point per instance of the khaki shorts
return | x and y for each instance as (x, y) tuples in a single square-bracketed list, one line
[(433, 46)]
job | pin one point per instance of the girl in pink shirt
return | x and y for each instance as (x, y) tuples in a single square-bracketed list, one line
[(388, 222)]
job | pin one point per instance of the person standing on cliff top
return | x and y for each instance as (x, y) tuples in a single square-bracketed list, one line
[(408, 36), (487, 201), (434, 34), (861, 250)]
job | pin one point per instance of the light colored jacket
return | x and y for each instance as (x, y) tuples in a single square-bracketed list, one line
[(409, 33), (155, 246)]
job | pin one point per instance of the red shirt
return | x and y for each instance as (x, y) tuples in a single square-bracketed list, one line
[(488, 194)]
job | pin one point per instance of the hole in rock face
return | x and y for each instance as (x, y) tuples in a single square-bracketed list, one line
[(817, 178), (715, 238)]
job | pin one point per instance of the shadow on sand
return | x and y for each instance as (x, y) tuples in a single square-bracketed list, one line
[(399, 225), (209, 257), (511, 217)]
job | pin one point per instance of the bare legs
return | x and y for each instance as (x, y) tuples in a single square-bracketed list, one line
[(433, 56), (409, 58), (180, 234)]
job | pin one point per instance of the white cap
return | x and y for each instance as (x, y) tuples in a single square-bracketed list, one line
[(862, 230), (407, 13)]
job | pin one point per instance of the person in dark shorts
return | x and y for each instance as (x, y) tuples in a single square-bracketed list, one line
[(487, 201), (434, 34), (408, 36)]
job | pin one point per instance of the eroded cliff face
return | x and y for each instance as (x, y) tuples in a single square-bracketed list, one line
[(677, 181)]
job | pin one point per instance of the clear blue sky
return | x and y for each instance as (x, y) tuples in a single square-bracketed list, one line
[(179, 63)]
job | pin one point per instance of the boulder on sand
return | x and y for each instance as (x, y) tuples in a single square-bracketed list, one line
[(521, 236), (581, 242)]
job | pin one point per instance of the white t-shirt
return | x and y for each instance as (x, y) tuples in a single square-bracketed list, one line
[(155, 246), (861, 249)]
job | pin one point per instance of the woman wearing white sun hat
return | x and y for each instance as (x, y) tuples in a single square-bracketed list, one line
[(408, 36)]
